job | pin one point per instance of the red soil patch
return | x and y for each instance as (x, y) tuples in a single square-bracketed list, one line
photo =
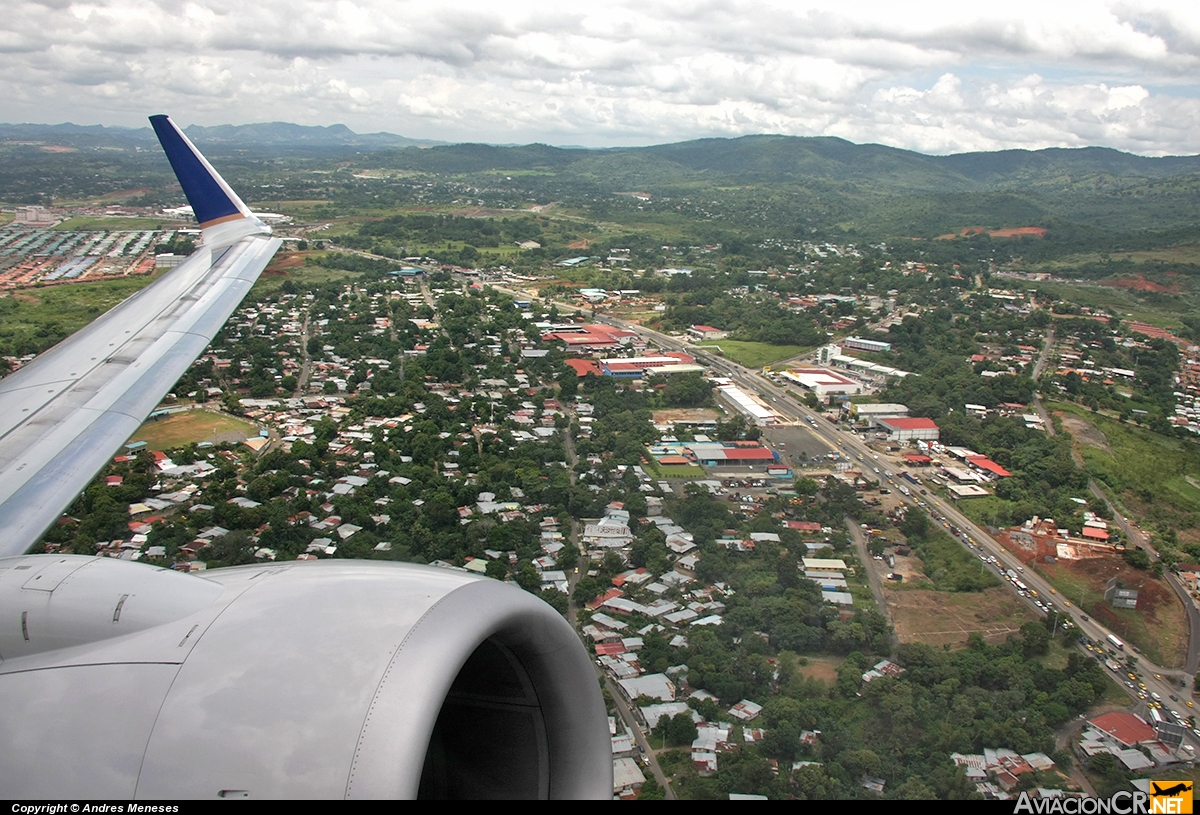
[(281, 263), (1140, 283), (1016, 232), (583, 244), (1011, 232)]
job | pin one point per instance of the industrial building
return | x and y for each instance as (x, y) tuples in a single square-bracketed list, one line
[(747, 404), (871, 414), (822, 382), (635, 367), (860, 344), (909, 429)]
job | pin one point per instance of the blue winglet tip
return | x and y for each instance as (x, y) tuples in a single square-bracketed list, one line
[(205, 190)]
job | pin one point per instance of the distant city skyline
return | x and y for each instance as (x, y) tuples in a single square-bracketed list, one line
[(938, 78)]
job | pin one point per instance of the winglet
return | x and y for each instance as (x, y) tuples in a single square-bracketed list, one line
[(213, 201)]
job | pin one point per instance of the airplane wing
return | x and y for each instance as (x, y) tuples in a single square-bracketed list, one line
[(65, 414), (335, 679)]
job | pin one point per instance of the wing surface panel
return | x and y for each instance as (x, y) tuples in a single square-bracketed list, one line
[(66, 413)]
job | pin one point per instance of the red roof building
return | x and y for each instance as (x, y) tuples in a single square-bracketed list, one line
[(610, 648), (1094, 533), (1126, 728), (910, 429), (584, 367), (985, 463)]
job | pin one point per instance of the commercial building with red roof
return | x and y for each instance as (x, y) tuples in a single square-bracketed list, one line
[(592, 337), (632, 367), (985, 463), (1126, 728), (906, 429)]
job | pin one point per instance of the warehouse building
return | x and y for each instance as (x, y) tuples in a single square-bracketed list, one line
[(822, 382), (859, 344), (908, 429)]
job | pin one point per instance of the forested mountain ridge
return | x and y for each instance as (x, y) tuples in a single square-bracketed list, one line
[(786, 185)]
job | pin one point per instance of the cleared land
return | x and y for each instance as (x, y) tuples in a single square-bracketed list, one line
[(1084, 432), (84, 224), (672, 415), (1163, 312), (823, 669), (191, 427), (1157, 627), (949, 618)]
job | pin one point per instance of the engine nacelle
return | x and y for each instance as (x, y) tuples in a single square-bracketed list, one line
[(329, 679)]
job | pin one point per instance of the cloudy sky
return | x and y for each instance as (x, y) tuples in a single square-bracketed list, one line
[(930, 76)]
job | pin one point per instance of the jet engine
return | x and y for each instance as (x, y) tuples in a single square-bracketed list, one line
[(328, 679)]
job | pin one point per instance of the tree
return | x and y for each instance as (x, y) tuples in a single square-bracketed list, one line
[(528, 578), (496, 570), (652, 791), (678, 731)]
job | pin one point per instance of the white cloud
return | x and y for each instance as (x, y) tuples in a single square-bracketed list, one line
[(947, 76)]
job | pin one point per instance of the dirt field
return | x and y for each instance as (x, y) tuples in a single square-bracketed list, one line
[(282, 262), (944, 618), (823, 669), (910, 567), (685, 415), (1011, 232), (1084, 432), (193, 426)]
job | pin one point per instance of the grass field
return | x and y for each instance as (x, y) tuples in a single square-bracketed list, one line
[(1148, 469), (34, 319), (982, 510), (87, 224), (291, 266), (675, 470), (822, 669), (1173, 254), (1166, 314), (193, 426), (756, 354)]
